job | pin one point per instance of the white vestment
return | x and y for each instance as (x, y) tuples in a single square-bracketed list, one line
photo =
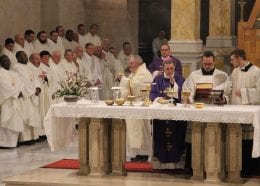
[(139, 139), (248, 82), (11, 56), (38, 46), (18, 47), (95, 40), (29, 47), (11, 121), (69, 44), (45, 95), (108, 79), (69, 66), (56, 47), (123, 61), (30, 108), (58, 76), (82, 40), (217, 79)]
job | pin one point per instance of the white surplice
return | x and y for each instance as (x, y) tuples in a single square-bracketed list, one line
[(248, 82), (30, 107), (217, 79), (95, 40), (139, 139), (11, 56), (11, 121)]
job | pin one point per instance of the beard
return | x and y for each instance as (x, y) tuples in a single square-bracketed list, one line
[(43, 41)]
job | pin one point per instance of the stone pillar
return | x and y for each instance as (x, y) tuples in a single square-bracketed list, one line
[(99, 147), (118, 146), (234, 152), (84, 146), (185, 40), (214, 152), (221, 37), (198, 130)]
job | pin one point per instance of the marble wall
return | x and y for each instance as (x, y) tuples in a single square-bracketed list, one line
[(16, 16)]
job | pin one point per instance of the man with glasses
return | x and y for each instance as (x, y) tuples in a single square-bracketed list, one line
[(243, 88)]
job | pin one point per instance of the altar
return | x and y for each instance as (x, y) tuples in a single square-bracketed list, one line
[(216, 135)]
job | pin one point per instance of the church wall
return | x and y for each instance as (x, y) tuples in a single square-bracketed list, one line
[(117, 20), (16, 16)]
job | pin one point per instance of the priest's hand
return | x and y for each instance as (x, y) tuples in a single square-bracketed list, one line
[(20, 95), (98, 82), (119, 77), (38, 91)]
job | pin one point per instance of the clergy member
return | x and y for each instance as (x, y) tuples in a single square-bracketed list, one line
[(11, 121), (156, 67), (243, 88), (138, 132), (168, 136), (207, 74)]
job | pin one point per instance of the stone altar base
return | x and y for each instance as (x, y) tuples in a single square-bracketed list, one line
[(68, 177)]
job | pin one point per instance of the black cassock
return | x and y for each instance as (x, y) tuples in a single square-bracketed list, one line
[(168, 135)]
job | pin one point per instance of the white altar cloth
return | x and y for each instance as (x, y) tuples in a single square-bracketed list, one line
[(60, 119)]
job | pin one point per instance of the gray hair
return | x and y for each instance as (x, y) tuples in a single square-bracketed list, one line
[(136, 58)]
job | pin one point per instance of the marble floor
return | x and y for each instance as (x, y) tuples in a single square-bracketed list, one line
[(22, 165)]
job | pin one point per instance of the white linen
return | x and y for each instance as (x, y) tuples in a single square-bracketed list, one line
[(247, 114)]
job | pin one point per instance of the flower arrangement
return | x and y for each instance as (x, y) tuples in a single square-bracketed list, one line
[(72, 85)]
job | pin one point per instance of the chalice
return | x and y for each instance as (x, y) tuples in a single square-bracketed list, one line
[(131, 99), (145, 96), (185, 94)]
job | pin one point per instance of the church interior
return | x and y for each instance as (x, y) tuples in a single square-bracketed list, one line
[(190, 28)]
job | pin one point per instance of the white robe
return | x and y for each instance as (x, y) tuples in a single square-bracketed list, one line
[(57, 47), (29, 47), (69, 66), (123, 59), (58, 75), (139, 139), (11, 121), (38, 47), (69, 44), (11, 56), (95, 40), (249, 85), (217, 79), (108, 79), (18, 48), (30, 108)]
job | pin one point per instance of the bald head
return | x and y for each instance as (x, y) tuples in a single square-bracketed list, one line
[(35, 59), (19, 38)]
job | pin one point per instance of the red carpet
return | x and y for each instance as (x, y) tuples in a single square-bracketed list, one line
[(64, 164), (74, 164)]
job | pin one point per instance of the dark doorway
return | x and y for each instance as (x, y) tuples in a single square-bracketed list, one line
[(154, 15), (204, 20)]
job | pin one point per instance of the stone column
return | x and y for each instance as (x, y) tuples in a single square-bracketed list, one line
[(214, 152), (84, 146), (185, 40), (234, 152), (221, 37), (99, 147), (118, 146), (198, 130)]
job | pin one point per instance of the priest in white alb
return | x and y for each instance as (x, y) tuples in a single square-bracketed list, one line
[(138, 132)]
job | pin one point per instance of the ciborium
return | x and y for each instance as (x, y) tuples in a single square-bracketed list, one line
[(185, 94)]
